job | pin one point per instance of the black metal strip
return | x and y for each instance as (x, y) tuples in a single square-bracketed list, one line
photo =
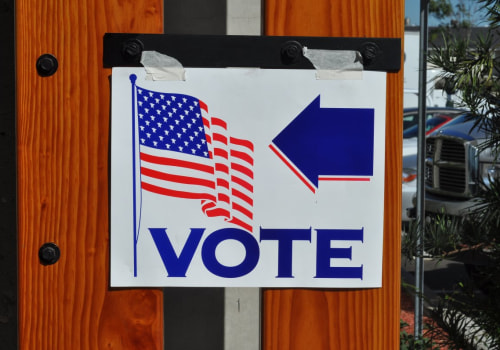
[(194, 17), (194, 318), (220, 51), (8, 206)]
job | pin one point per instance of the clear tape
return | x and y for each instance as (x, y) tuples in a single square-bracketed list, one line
[(162, 67), (335, 64)]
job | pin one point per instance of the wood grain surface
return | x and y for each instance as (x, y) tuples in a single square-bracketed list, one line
[(345, 319), (63, 124)]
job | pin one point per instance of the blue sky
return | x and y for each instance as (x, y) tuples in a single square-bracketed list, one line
[(412, 10)]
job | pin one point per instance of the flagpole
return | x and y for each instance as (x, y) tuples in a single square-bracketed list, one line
[(133, 79)]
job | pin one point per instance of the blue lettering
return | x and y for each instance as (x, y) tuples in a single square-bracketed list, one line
[(176, 265), (285, 240), (325, 252), (247, 265)]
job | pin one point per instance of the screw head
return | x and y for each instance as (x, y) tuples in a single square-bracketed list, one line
[(291, 52), (132, 50), (49, 253), (369, 52), (46, 65)]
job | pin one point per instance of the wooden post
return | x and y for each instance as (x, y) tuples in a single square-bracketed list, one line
[(345, 319), (63, 174)]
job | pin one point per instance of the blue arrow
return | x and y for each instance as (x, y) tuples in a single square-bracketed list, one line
[(329, 141)]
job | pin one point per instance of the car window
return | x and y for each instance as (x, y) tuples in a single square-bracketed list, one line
[(410, 117), (412, 131), (433, 122), (409, 120), (429, 125)]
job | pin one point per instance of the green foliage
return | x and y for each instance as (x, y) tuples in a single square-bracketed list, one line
[(469, 315), (467, 319), (462, 15), (484, 219), (441, 236), (493, 8), (441, 9), (408, 341)]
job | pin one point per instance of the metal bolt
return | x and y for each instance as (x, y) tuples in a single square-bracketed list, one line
[(132, 50), (46, 65), (369, 51), (291, 52), (49, 254)]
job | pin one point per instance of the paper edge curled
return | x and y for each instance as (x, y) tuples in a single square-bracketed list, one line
[(335, 64), (162, 67)]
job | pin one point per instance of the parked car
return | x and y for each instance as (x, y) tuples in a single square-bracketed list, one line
[(409, 186), (431, 124), (456, 167), (410, 115), (409, 183)]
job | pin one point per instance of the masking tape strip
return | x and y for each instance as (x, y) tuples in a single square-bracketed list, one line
[(162, 67), (335, 64)]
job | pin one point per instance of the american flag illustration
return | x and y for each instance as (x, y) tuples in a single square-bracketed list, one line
[(185, 153)]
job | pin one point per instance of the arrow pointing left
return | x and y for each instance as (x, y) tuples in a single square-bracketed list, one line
[(328, 144)]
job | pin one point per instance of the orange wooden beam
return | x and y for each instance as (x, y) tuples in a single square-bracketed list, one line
[(345, 319), (63, 160)]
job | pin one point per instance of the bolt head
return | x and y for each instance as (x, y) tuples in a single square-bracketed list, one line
[(369, 52), (132, 50), (46, 65), (291, 52), (49, 254)]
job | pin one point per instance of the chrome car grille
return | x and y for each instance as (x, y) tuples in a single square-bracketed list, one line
[(448, 167)]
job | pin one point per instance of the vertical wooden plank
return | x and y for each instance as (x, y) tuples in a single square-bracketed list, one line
[(345, 319), (63, 154)]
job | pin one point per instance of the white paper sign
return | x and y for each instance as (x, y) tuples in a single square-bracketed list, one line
[(248, 178)]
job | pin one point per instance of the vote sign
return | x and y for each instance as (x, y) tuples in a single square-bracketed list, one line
[(247, 177)]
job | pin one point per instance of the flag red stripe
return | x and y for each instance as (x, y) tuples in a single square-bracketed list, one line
[(242, 155), (241, 142), (222, 168), (242, 196), (206, 122), (242, 224), (176, 162), (203, 106), (220, 153), (223, 198), (222, 183), (244, 170), (243, 210), (221, 138), (177, 178), (173, 193), (219, 122), (242, 183), (206, 205), (217, 212)]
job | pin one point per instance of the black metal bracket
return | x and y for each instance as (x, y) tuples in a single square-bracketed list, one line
[(221, 51)]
